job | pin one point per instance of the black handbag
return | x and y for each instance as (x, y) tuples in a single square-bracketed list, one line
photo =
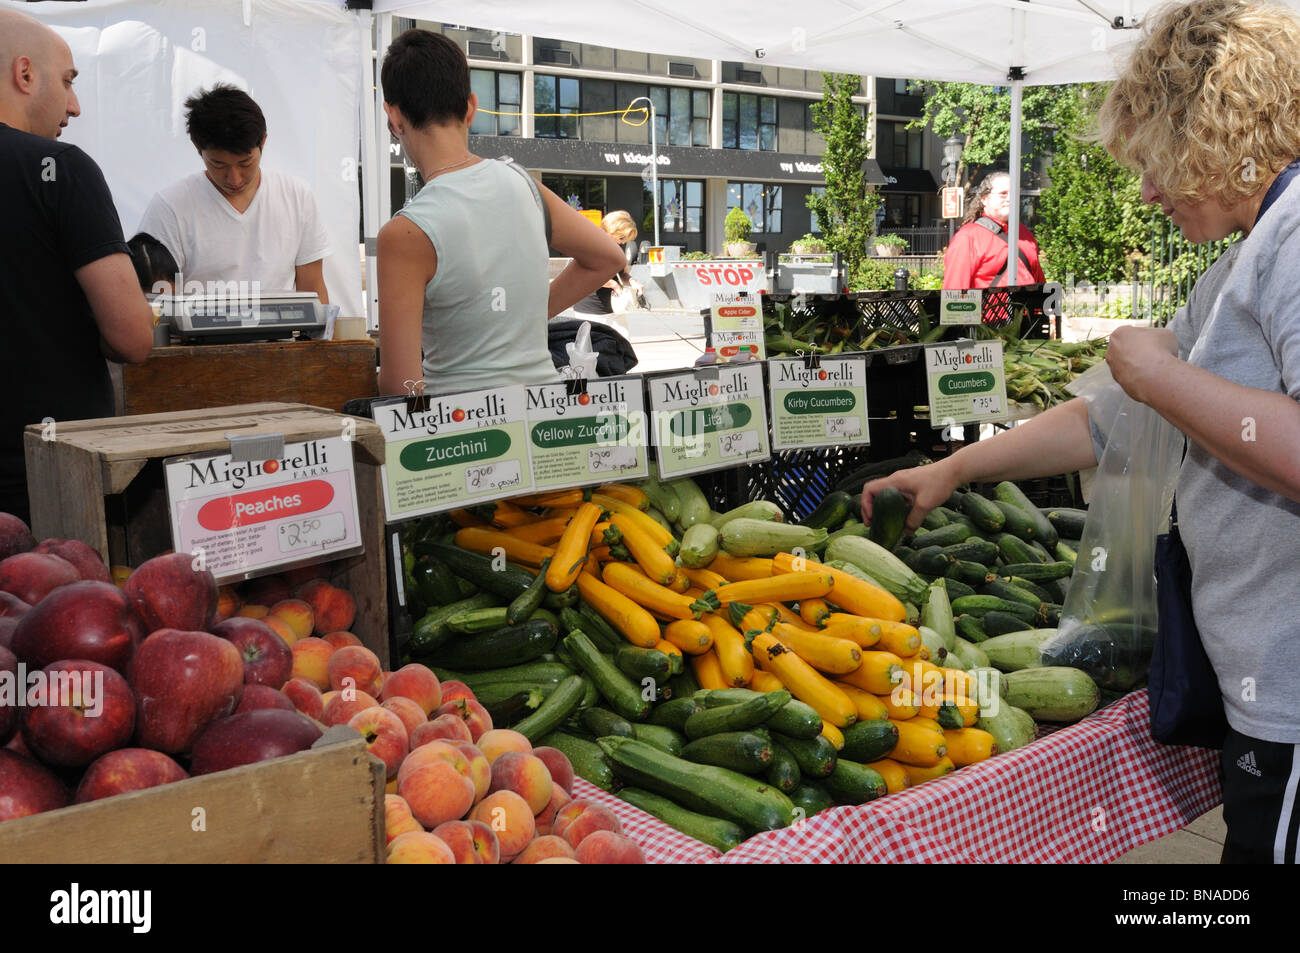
[(1186, 705)]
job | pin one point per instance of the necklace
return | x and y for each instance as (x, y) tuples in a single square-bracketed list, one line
[(432, 172)]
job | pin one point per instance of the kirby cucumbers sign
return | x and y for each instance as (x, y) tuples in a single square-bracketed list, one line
[(710, 418), (461, 449), (967, 382), (822, 406), (595, 436)]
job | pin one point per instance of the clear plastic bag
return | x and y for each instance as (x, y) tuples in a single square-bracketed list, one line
[(582, 356), (1108, 622)]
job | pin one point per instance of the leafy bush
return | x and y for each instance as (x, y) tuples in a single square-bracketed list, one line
[(696, 256), (892, 241), (737, 226)]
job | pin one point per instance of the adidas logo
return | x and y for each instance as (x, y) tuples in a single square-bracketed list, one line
[(1247, 763)]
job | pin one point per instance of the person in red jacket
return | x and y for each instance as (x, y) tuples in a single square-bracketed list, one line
[(977, 255)]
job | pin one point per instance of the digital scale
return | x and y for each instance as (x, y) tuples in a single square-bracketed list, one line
[(198, 319)]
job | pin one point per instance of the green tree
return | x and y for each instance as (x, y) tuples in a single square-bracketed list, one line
[(847, 208)]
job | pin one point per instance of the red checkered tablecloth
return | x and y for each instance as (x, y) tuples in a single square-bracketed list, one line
[(1087, 793)]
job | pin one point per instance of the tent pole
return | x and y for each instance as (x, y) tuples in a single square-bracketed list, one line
[(1013, 226)]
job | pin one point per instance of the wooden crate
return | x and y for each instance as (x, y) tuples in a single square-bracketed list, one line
[(321, 806), (194, 377), (100, 481)]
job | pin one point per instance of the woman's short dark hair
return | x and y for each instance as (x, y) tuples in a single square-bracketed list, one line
[(225, 117), (426, 76), (153, 262)]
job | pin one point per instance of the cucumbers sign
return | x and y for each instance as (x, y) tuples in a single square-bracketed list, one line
[(710, 418), (967, 382), (464, 448), (818, 406), (591, 437)]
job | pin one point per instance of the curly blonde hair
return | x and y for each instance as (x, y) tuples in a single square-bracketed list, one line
[(620, 226), (1208, 105)]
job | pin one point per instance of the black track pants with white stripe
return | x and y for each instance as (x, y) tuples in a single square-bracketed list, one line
[(1259, 800)]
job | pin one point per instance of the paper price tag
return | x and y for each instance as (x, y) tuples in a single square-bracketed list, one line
[(307, 534), (740, 444), (491, 477), (844, 427), (612, 459)]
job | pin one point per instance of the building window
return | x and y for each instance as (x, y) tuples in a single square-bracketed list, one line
[(497, 93), (681, 115), (556, 94), (816, 222), (681, 206), (583, 192), (899, 147), (902, 211), (748, 121), (762, 203)]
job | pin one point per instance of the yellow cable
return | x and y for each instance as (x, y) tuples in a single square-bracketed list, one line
[(645, 114)]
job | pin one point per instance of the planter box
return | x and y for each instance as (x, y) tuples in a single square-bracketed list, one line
[(322, 806), (100, 481)]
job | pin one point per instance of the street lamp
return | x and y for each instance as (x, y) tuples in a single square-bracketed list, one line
[(952, 150)]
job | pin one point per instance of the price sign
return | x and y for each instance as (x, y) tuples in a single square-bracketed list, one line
[(823, 406), (709, 419), (735, 327), (967, 382), (961, 307), (576, 439), (464, 448), (251, 517)]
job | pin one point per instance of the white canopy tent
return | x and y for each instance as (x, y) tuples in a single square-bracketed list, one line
[(993, 42)]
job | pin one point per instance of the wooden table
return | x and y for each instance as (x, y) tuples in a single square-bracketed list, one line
[(197, 377)]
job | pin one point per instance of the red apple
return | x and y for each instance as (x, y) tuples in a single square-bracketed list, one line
[(15, 536), (87, 710), (127, 769), (9, 707), (26, 787), (252, 736), (183, 682), (266, 591), (167, 593), (85, 558), (33, 576), (263, 696), (83, 620), (11, 605), (7, 626), (268, 660)]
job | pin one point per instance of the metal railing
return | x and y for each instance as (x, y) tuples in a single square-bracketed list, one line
[(921, 241)]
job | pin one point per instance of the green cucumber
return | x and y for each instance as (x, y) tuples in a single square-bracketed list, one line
[(979, 605), (714, 831), (1010, 727), (432, 631), (1039, 572), (970, 628), (1014, 651), (1041, 593), (673, 714), (974, 550), (474, 621), (662, 737), (1068, 522), (1019, 524), (934, 520), (622, 693), (530, 600), (699, 546), (588, 760), (741, 751), (1011, 592), (811, 798), (1067, 551), (982, 512), (1053, 693), (512, 645), (948, 535), (1000, 623), (637, 663), (816, 756), (851, 783), (783, 773), (700, 787), (794, 718), (931, 561), (751, 537), (889, 511), (970, 573), (747, 714), (1016, 550), (833, 510), (684, 685), (955, 589), (855, 479), (1044, 531), (600, 722), (869, 740), (557, 707)]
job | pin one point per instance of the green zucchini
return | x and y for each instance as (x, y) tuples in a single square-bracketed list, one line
[(561, 600), (889, 511), (762, 510), (673, 714), (982, 512), (747, 714), (435, 583), (741, 751), (934, 644), (881, 566), (637, 663), (662, 737), (1016, 650), (936, 614), (714, 831), (506, 711), (432, 631), (1018, 524), (751, 537), (699, 546), (969, 654), (601, 722), (509, 582), (974, 550), (1010, 727), (783, 773), (694, 506), (557, 707), (948, 535), (810, 798), (497, 694), (540, 671), (869, 740), (588, 760), (597, 629), (512, 645), (816, 756), (850, 528), (622, 693), (851, 783), (662, 498), (530, 600), (1053, 693), (794, 718), (1039, 572), (1068, 522), (662, 520), (474, 621), (990, 683), (700, 787), (1044, 531)]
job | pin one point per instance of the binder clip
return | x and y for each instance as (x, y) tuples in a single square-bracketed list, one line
[(255, 447), (417, 401), (812, 361), (575, 386)]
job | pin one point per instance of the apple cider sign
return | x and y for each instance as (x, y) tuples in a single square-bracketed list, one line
[(248, 517)]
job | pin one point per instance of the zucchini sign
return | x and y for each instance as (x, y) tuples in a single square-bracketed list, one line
[(463, 449), (710, 418), (822, 406), (592, 437), (967, 382)]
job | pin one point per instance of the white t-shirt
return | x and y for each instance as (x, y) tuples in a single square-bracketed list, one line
[(211, 241)]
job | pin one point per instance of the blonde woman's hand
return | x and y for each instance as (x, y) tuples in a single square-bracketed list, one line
[(1137, 355)]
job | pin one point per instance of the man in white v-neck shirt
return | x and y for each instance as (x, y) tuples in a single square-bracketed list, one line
[(237, 222)]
